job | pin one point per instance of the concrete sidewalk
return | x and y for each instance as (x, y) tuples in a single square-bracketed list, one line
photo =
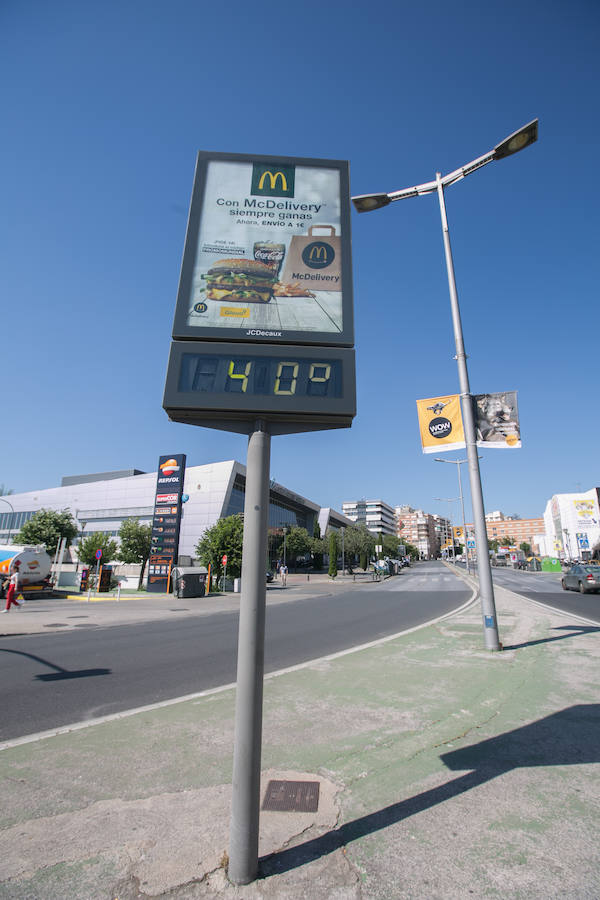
[(445, 771)]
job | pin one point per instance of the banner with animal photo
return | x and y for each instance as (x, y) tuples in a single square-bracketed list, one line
[(441, 424), (497, 420)]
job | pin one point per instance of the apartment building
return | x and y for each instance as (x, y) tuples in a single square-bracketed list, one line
[(522, 530), (378, 516), (420, 529)]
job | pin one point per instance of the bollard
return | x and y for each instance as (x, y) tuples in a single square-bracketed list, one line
[(118, 592)]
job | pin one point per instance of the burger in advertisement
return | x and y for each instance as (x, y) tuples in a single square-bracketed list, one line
[(247, 280)]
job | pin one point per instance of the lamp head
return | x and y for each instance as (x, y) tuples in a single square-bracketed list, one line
[(367, 202), (520, 139)]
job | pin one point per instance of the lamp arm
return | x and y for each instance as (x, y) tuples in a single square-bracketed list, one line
[(430, 186), (416, 191), (461, 173)]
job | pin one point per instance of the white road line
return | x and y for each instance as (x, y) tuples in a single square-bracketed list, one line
[(87, 723)]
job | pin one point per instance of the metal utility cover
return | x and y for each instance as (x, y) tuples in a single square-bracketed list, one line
[(292, 796)]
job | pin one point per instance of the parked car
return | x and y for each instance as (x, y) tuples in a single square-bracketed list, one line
[(581, 578)]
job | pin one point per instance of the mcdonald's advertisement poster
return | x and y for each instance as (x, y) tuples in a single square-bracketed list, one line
[(267, 253), (441, 424)]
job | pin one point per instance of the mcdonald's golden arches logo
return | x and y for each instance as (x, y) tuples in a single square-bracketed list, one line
[(318, 255), (272, 180)]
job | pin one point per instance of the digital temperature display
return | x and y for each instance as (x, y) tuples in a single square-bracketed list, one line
[(260, 375), (210, 381)]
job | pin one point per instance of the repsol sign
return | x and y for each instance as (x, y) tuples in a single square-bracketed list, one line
[(440, 427)]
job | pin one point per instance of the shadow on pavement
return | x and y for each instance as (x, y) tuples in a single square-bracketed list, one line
[(569, 737), (59, 673), (574, 631)]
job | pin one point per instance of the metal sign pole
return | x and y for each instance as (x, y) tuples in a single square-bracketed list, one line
[(486, 586), (243, 839)]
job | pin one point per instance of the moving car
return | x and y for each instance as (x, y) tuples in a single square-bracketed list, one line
[(581, 578)]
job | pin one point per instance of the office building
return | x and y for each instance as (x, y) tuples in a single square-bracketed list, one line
[(376, 515), (101, 502)]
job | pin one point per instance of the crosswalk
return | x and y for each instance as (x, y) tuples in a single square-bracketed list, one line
[(425, 582)]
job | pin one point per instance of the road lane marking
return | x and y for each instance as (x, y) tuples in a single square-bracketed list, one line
[(113, 717)]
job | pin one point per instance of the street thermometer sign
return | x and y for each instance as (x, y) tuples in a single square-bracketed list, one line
[(263, 324), (263, 344)]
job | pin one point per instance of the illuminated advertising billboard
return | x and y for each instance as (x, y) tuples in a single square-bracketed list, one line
[(267, 252)]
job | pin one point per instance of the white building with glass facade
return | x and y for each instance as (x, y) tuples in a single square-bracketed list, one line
[(102, 501)]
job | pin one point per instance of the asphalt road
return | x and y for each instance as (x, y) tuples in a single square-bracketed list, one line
[(56, 679), (546, 588)]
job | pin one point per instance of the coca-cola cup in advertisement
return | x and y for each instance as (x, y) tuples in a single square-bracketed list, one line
[(270, 254)]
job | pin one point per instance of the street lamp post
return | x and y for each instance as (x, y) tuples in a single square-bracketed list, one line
[(4, 500), (567, 543), (367, 202), (458, 463), (449, 500)]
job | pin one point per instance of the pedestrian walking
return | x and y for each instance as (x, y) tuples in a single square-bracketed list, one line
[(283, 571), (13, 587)]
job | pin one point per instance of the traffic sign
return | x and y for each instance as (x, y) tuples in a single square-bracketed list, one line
[(224, 559), (98, 554), (471, 545)]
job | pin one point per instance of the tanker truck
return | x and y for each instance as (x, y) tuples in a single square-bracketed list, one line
[(34, 569)]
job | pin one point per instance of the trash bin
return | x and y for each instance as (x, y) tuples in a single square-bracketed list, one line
[(189, 581)]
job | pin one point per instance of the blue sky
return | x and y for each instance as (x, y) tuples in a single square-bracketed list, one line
[(105, 106)]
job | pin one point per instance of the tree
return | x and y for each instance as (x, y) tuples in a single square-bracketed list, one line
[(507, 540), (4, 491), (135, 540), (317, 547), (493, 545), (297, 543), (47, 526), (97, 540), (332, 554), (380, 544), (412, 551), (525, 547), (359, 541), (226, 537), (390, 545)]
